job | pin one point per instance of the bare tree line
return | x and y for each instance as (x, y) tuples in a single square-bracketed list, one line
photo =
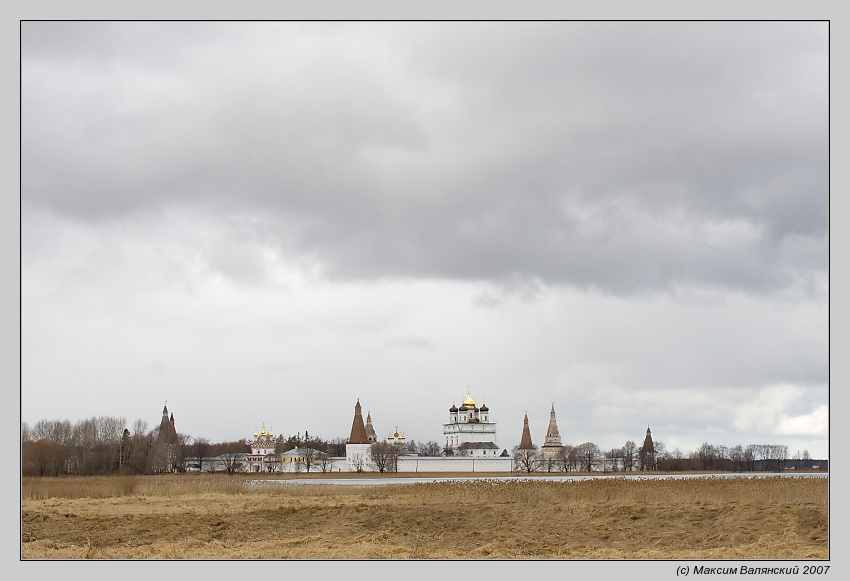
[(102, 445), (98, 445), (589, 457)]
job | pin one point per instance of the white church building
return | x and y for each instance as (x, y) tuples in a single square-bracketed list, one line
[(470, 432), (470, 445)]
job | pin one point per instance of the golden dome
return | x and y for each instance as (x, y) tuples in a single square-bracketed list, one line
[(468, 402)]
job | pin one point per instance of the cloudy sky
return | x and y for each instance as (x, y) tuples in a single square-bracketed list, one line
[(263, 222)]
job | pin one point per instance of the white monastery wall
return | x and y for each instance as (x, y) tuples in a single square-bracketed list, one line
[(438, 464)]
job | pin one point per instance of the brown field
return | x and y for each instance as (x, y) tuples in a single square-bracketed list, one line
[(221, 517)]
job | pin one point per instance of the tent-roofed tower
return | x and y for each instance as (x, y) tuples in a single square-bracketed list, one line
[(647, 452), (525, 441), (358, 449), (165, 451), (167, 431), (358, 430), (552, 445)]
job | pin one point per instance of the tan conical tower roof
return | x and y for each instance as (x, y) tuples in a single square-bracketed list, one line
[(358, 430), (552, 434), (525, 441)]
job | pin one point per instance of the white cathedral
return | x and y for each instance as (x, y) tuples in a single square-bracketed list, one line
[(470, 431)]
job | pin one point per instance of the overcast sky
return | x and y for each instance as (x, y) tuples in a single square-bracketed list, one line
[(263, 222)]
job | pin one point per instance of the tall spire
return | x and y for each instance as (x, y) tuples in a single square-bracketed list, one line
[(371, 436), (552, 447), (166, 425), (552, 434), (646, 455), (525, 441), (164, 422), (647, 442), (358, 430)]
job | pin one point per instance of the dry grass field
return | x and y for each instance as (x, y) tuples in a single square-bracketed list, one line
[(203, 517)]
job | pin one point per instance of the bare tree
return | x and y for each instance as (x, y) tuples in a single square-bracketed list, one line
[(141, 443), (527, 459), (231, 454), (43, 429), (629, 451), (201, 447), (431, 448), (384, 457), (722, 458), (704, 456), (324, 462), (551, 464), (336, 447), (109, 429), (124, 451), (26, 432), (776, 455), (44, 457), (588, 455), (182, 450), (675, 460), (408, 447), (613, 459), (358, 462), (307, 458), (736, 455), (750, 457), (567, 458)]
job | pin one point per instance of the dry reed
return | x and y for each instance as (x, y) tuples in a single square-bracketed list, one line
[(225, 517)]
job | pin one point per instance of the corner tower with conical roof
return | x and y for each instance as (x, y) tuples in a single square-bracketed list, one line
[(470, 430), (358, 449), (167, 431), (525, 441), (552, 446), (166, 443), (646, 455), (358, 430)]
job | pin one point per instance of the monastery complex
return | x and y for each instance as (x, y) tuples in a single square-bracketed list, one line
[(469, 445)]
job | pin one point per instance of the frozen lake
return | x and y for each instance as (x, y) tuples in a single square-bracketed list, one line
[(552, 478)]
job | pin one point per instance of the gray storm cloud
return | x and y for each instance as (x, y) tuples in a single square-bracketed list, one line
[(588, 154)]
